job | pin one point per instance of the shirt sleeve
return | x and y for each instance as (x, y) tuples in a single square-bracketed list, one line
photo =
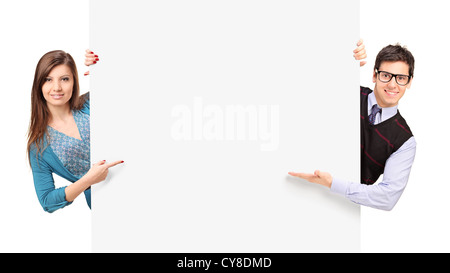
[(50, 198), (386, 193)]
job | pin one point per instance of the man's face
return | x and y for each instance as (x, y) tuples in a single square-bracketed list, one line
[(388, 94)]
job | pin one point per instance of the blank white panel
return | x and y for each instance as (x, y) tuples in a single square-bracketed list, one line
[(210, 104)]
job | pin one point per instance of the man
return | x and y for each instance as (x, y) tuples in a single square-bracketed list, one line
[(388, 146)]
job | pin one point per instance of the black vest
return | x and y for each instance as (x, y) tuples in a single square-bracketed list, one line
[(379, 141)]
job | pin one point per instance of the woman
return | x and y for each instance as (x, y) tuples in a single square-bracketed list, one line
[(59, 133)]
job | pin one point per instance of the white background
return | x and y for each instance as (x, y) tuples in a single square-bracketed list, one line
[(418, 223), (29, 29)]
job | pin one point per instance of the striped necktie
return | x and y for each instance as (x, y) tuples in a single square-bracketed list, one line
[(375, 110)]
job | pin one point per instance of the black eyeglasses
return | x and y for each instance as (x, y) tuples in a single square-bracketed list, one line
[(386, 77)]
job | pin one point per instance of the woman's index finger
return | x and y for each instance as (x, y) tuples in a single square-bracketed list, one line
[(112, 164)]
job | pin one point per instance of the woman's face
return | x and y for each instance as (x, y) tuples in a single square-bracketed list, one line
[(58, 86)]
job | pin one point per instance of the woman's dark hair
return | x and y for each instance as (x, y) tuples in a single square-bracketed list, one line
[(395, 53)]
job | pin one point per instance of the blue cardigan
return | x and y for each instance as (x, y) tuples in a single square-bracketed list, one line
[(43, 166)]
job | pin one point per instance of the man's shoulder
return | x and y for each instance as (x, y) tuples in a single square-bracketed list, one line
[(365, 90), (401, 122)]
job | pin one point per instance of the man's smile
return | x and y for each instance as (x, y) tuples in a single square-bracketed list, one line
[(391, 93)]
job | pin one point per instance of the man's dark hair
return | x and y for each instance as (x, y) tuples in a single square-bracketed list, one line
[(395, 53)]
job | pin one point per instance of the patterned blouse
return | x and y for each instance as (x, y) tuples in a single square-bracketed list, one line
[(75, 154)]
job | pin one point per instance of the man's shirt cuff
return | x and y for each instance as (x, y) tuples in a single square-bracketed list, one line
[(339, 186)]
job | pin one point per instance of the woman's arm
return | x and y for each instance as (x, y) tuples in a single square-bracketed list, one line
[(52, 198), (96, 174), (49, 197)]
